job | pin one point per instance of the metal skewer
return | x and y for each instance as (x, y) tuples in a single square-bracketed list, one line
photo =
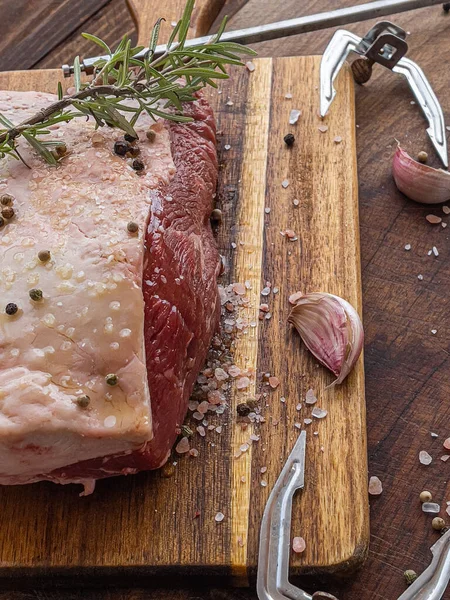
[(272, 31)]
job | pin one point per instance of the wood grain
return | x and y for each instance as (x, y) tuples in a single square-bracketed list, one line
[(154, 531)]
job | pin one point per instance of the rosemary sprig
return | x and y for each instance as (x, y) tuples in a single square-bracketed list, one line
[(158, 86)]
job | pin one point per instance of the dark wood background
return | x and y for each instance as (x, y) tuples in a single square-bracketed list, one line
[(407, 367)]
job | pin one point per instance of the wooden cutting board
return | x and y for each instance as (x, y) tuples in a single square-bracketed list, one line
[(151, 525)]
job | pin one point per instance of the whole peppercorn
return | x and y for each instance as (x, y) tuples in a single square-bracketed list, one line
[(61, 150), (446, 7), (216, 215), (8, 212), (121, 148), (133, 151), (112, 379), (132, 227), (243, 410), (130, 138), (438, 523), (6, 199), (83, 401), (289, 139), (36, 295), (151, 135), (2, 222), (410, 576), (138, 165), (425, 496), (11, 309), (44, 255), (422, 157)]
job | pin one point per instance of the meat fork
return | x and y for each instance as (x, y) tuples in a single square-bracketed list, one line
[(275, 543)]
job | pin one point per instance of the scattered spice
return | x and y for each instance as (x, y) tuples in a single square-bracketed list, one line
[(435, 251), (289, 139), (138, 165), (433, 219), (97, 139), (422, 156), (446, 210), (8, 212), (295, 202), (83, 401), (438, 523), (243, 409), (285, 183), (121, 147), (298, 545), (151, 135), (133, 151), (425, 496), (44, 255), (112, 379), (6, 199), (11, 309), (375, 486), (36, 294), (132, 227), (410, 576), (130, 138)]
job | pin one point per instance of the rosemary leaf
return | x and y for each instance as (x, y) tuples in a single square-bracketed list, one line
[(77, 73)]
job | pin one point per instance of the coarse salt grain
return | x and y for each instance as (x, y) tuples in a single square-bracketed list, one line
[(263, 483), (319, 413), (298, 545), (375, 486), (250, 66), (227, 147), (294, 116), (446, 210), (431, 508), (242, 383), (307, 421), (445, 457), (288, 96), (435, 251), (201, 430), (446, 444), (310, 397), (183, 446), (420, 277), (295, 202), (263, 470), (110, 421), (323, 128), (285, 183), (274, 382), (193, 452), (433, 219), (407, 246), (219, 517), (239, 289), (293, 298), (337, 139), (434, 331), (424, 457)]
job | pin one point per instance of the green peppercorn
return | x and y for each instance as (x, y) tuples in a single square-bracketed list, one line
[(83, 401), (6, 199), (11, 308), (112, 379), (44, 255), (130, 138), (289, 139), (8, 212), (410, 576), (138, 165), (151, 135), (243, 410), (36, 295), (61, 150), (121, 148), (132, 227)]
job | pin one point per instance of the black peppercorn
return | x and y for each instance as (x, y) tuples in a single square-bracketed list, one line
[(289, 139), (44, 255), (446, 7), (8, 212), (132, 227), (130, 138), (83, 401), (6, 199), (242, 410), (112, 379), (11, 308), (35, 294), (138, 165), (216, 215), (121, 148)]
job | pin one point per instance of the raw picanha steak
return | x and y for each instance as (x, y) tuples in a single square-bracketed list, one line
[(135, 309)]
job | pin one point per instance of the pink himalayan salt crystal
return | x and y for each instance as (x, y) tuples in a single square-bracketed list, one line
[(203, 407), (234, 371), (323, 128), (263, 469), (445, 457), (239, 289), (193, 452), (214, 397), (220, 374), (242, 383), (274, 382), (290, 233), (310, 397), (201, 430), (240, 542), (375, 486), (218, 429), (424, 457), (219, 517), (250, 66), (183, 446), (293, 298), (198, 416), (337, 139), (264, 308), (193, 404), (307, 421), (298, 545), (447, 444)]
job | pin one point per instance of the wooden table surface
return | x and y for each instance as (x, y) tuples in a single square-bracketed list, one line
[(407, 366)]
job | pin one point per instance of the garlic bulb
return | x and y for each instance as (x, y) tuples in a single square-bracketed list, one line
[(420, 182), (331, 329)]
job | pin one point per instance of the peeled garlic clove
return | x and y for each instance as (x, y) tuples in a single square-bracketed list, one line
[(331, 330), (420, 182)]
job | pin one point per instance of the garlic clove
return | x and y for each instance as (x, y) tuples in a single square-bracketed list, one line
[(418, 181), (331, 330)]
